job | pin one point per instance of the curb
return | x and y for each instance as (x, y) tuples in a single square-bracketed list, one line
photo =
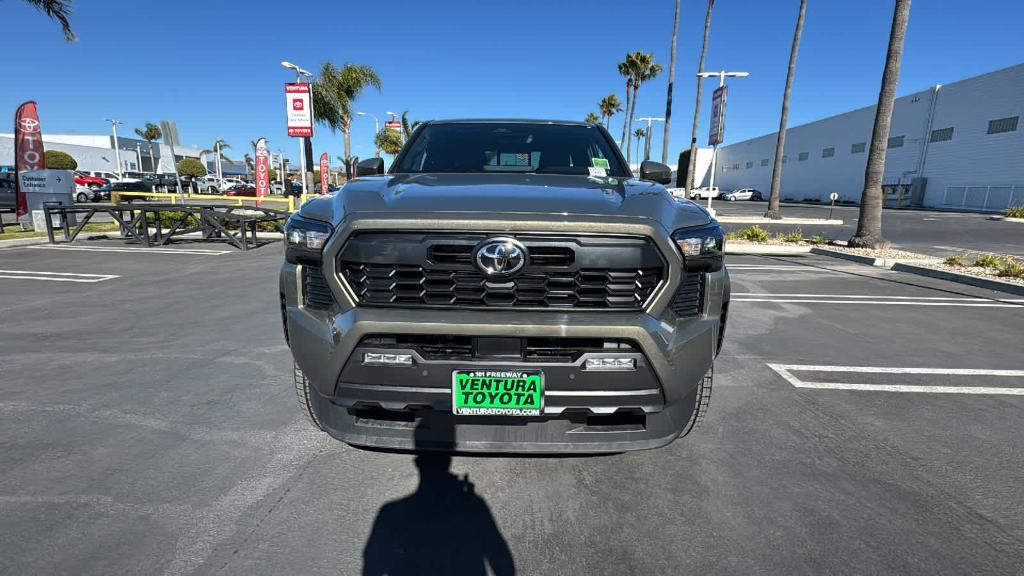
[(1008, 219), (23, 241), (880, 262), (766, 250), (794, 221), (988, 283)]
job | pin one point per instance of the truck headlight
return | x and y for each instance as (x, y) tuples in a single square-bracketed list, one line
[(703, 247), (304, 240)]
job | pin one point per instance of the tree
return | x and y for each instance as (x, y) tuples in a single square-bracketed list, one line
[(272, 174), (609, 106), (671, 82), (696, 107), (390, 141), (869, 225), (218, 144), (334, 93), (152, 132), (247, 158), (626, 69), (639, 133), (59, 10), (191, 167), (57, 160), (408, 127), (644, 69), (592, 118), (780, 141)]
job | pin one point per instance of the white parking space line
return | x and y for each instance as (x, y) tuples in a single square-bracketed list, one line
[(786, 372), (55, 276), (140, 249), (863, 297)]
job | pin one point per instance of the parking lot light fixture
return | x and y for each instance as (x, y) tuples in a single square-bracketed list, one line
[(376, 129), (117, 152)]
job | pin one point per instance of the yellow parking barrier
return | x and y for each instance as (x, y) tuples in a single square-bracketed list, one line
[(173, 198)]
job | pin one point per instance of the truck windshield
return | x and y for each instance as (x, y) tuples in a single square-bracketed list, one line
[(508, 147)]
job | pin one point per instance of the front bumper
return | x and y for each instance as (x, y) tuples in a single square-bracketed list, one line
[(616, 415)]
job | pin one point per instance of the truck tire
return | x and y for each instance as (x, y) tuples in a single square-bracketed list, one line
[(302, 392), (703, 393)]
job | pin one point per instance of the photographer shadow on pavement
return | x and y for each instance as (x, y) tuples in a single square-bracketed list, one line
[(443, 527)]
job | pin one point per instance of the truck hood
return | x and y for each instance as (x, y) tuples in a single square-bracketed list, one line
[(567, 196)]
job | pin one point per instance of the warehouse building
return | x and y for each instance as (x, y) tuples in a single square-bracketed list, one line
[(96, 152), (952, 146)]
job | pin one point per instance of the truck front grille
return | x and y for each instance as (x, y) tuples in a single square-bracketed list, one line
[(436, 270), (315, 292), (689, 300)]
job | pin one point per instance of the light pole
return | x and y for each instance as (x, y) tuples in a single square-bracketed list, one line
[(299, 74), (714, 147), (117, 148), (647, 143), (376, 129), (401, 129)]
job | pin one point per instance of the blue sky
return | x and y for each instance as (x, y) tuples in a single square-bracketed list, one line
[(214, 66)]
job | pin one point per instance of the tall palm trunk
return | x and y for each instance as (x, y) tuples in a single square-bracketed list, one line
[(625, 119), (152, 162), (869, 225), (780, 141), (346, 126), (632, 113), (696, 107), (671, 82)]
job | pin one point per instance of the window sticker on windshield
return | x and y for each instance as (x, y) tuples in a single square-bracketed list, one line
[(594, 171), (600, 163)]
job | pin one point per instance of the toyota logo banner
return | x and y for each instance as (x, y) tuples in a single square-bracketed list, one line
[(28, 149), (325, 172), (262, 169)]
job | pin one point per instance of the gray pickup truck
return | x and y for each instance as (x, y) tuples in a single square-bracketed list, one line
[(508, 286)]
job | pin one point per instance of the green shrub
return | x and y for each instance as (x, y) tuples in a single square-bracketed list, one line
[(1011, 268), (1014, 212), (986, 261), (956, 260), (57, 160), (753, 234), (794, 237), (818, 239)]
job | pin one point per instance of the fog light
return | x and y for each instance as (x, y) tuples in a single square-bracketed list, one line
[(611, 364), (387, 359)]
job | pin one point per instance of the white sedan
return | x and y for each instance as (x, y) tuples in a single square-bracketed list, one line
[(742, 194)]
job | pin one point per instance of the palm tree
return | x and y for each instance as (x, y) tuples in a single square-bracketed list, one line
[(780, 142), (869, 225), (59, 10), (388, 140), (221, 145), (671, 82), (626, 69), (644, 69), (248, 162), (609, 106), (592, 118), (151, 133), (696, 108), (334, 93), (639, 133), (408, 127)]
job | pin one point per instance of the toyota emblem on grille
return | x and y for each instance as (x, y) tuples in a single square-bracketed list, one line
[(500, 256)]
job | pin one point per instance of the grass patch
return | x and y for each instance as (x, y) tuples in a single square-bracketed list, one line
[(1011, 268), (818, 239), (794, 237), (90, 227), (1014, 212), (956, 260), (813, 199), (753, 234)]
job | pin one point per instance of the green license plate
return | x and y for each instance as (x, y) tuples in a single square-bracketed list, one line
[(497, 392)]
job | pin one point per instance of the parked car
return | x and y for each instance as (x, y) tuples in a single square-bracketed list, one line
[(241, 190), (168, 182), (139, 186), (742, 194), (108, 176), (83, 179), (229, 182), (7, 191), (704, 193), (85, 194), (331, 189)]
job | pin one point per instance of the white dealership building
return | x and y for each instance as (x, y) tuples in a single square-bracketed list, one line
[(954, 146)]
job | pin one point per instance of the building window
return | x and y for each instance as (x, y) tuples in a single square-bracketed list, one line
[(828, 152), (1003, 125), (802, 156), (764, 161), (749, 165), (895, 141), (858, 148), (941, 135)]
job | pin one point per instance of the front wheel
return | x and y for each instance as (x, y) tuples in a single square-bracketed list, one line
[(731, 198), (81, 197), (756, 197), (700, 408), (211, 190), (305, 402)]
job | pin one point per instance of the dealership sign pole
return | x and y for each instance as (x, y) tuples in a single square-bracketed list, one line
[(325, 172), (28, 150), (299, 109), (262, 170)]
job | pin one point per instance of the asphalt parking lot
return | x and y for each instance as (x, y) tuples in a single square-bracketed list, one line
[(926, 231), (863, 421)]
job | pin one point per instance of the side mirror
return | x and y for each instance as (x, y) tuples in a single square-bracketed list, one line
[(655, 172), (370, 167)]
